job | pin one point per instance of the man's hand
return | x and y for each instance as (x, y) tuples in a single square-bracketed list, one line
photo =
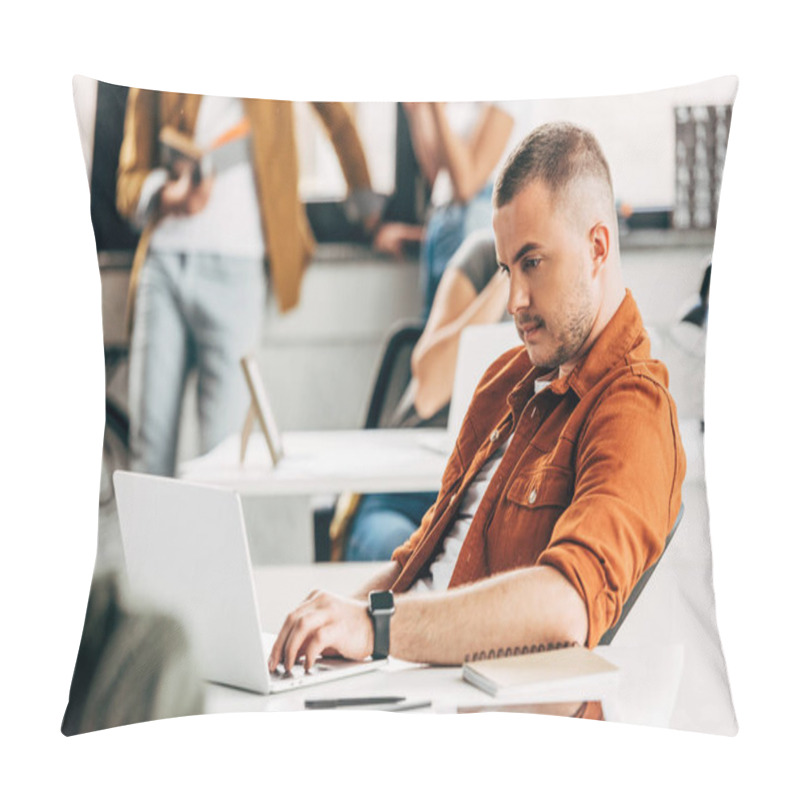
[(325, 624), (181, 196), (392, 236)]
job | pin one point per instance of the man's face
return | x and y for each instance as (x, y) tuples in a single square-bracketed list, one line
[(549, 260)]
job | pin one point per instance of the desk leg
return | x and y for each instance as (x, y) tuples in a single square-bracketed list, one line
[(279, 529)]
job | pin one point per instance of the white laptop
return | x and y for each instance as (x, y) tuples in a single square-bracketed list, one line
[(186, 553), (478, 347)]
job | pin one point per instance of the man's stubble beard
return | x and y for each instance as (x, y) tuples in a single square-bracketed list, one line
[(573, 332)]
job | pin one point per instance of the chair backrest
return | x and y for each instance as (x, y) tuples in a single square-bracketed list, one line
[(642, 582), (479, 346), (394, 373)]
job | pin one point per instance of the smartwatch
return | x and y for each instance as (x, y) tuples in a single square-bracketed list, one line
[(381, 608)]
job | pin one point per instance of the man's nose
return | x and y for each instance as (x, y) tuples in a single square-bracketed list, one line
[(518, 295)]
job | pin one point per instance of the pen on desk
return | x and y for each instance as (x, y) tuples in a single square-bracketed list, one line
[(342, 702)]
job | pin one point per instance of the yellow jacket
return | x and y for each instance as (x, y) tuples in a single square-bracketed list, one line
[(285, 226)]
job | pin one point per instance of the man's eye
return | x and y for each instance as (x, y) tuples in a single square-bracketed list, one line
[(531, 263), (503, 268)]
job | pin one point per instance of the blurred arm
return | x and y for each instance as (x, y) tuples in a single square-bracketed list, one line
[(342, 131), (455, 306), (425, 139), (349, 149), (471, 163)]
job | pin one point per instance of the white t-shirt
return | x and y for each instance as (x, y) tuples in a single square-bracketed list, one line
[(463, 119), (441, 569), (230, 223)]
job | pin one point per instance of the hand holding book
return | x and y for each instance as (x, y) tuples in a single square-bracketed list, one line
[(183, 194), (192, 168)]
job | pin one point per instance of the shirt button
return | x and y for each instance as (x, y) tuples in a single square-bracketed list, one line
[(532, 496), (495, 435)]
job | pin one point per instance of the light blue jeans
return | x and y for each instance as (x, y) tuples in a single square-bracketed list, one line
[(193, 311), (446, 229)]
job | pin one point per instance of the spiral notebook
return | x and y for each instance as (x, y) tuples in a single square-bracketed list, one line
[(563, 673)]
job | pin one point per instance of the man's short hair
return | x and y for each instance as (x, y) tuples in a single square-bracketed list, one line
[(558, 154)]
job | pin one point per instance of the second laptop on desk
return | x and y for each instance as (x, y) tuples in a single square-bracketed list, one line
[(186, 552)]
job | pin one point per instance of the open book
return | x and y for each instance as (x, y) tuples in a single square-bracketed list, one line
[(569, 673), (232, 147)]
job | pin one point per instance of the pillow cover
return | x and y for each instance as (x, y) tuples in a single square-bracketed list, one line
[(177, 179)]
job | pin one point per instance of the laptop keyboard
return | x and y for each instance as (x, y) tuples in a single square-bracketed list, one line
[(298, 676)]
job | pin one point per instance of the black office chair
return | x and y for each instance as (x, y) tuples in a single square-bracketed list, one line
[(388, 392), (642, 582), (394, 373)]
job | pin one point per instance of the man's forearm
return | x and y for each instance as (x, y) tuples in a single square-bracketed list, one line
[(515, 609)]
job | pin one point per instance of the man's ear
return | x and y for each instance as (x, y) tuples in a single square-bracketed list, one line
[(600, 243)]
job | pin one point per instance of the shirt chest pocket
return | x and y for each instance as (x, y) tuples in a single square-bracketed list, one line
[(545, 488), (523, 525)]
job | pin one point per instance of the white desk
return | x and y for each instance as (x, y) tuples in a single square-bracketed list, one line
[(322, 462), (278, 501), (646, 694)]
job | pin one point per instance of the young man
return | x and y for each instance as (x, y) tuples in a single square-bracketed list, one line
[(566, 476)]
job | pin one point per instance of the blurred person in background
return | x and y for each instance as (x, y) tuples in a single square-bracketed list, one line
[(458, 147), (134, 665), (212, 182)]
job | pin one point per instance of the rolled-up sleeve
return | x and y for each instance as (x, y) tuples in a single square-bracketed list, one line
[(404, 551), (628, 473)]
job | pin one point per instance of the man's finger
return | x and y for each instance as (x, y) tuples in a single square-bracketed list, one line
[(315, 644), (306, 626), (276, 656)]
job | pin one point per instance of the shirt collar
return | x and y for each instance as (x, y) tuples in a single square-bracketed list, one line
[(624, 330)]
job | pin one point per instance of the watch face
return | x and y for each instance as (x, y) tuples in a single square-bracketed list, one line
[(381, 601)]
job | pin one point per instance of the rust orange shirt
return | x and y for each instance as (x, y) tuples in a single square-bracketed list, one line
[(590, 483)]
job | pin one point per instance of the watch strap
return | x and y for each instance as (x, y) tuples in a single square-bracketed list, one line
[(381, 608), (380, 624)]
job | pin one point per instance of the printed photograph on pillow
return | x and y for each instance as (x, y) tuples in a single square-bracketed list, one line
[(375, 367)]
